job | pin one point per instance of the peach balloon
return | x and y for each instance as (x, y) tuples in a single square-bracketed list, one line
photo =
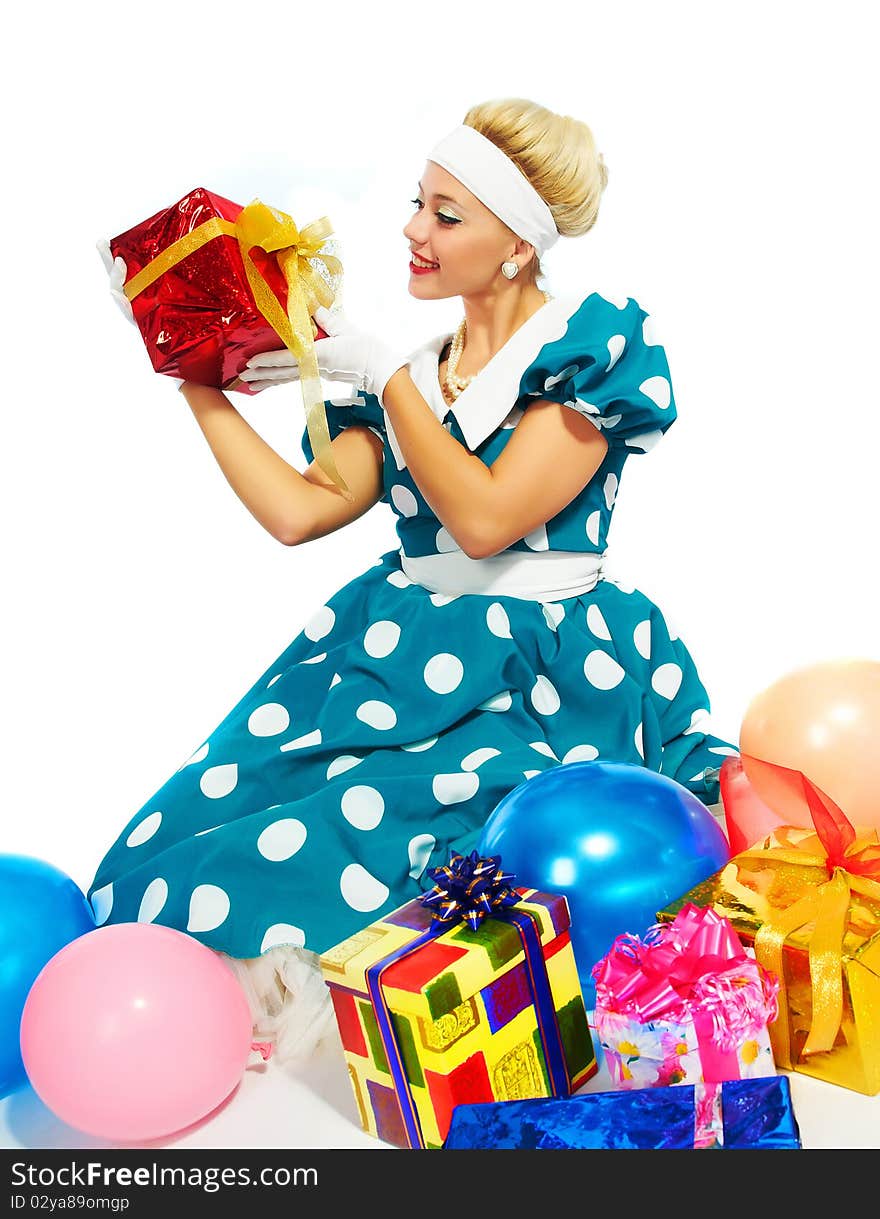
[(823, 720)]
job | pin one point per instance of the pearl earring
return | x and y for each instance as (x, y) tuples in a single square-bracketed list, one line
[(509, 269)]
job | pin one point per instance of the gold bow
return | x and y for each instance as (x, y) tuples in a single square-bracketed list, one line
[(298, 253), (851, 862)]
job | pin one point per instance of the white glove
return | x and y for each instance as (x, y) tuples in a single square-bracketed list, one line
[(117, 271), (348, 354)]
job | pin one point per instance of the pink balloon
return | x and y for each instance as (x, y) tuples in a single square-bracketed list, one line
[(134, 1031)]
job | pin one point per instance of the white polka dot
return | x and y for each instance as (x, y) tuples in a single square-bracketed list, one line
[(597, 623), (377, 714), (362, 807), (102, 903), (610, 421), (302, 742), (498, 702), (219, 781), (444, 541), (281, 839), (581, 753), (443, 598), (453, 788), (477, 757), (638, 739), (530, 774), (594, 523), (361, 890), (537, 539), (272, 680), (320, 624), (567, 372), (497, 620), (642, 638), (513, 418), (314, 660), (144, 830), (268, 720), (649, 333), (615, 347), (335, 681), (699, 722), (403, 500), (283, 934), (208, 908), (724, 749), (443, 673), (340, 765), (200, 754), (419, 746), (543, 747), (666, 680), (602, 670), (544, 696), (419, 849), (610, 490), (399, 579), (645, 441), (658, 390), (154, 898), (553, 614), (381, 638)]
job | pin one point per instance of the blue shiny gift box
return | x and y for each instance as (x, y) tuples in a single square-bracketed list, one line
[(738, 1114)]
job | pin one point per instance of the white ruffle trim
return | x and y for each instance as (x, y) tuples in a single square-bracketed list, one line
[(289, 1001)]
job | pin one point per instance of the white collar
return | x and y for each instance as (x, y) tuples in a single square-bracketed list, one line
[(489, 398)]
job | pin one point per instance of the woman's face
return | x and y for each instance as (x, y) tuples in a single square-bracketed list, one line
[(463, 241)]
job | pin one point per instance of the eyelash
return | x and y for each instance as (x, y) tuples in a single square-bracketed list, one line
[(448, 220)]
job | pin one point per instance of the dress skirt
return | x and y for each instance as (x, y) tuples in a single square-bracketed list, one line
[(381, 739)]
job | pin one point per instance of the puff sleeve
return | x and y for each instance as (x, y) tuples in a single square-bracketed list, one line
[(362, 410), (610, 368)]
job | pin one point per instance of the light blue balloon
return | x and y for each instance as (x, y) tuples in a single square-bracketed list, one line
[(618, 840), (41, 911)]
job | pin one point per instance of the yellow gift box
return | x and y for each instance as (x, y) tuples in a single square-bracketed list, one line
[(808, 902), (433, 1016)]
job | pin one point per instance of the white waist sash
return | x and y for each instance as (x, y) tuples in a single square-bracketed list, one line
[(547, 575)]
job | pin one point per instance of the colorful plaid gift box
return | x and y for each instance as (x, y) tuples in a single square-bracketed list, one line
[(436, 1010)]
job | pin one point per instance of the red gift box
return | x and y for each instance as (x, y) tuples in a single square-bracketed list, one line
[(193, 298)]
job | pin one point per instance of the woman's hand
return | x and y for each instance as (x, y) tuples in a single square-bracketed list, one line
[(117, 271), (348, 354)]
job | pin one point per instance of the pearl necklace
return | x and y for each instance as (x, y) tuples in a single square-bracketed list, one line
[(455, 384)]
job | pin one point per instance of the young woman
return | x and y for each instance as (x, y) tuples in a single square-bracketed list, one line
[(485, 649)]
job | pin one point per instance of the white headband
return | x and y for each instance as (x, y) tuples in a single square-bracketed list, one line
[(481, 167)]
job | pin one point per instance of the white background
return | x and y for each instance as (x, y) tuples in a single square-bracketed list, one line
[(142, 599)]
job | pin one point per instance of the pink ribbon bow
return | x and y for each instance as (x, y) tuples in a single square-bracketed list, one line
[(694, 968)]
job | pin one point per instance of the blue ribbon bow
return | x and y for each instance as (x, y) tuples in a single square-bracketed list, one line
[(469, 888)]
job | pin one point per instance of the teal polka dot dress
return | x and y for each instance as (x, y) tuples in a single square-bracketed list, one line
[(392, 725)]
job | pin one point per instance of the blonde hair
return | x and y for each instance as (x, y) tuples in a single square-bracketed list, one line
[(556, 153)]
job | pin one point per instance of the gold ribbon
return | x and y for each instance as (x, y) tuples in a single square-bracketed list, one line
[(297, 252), (826, 907)]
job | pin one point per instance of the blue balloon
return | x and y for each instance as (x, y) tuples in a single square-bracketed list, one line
[(620, 841), (41, 911)]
